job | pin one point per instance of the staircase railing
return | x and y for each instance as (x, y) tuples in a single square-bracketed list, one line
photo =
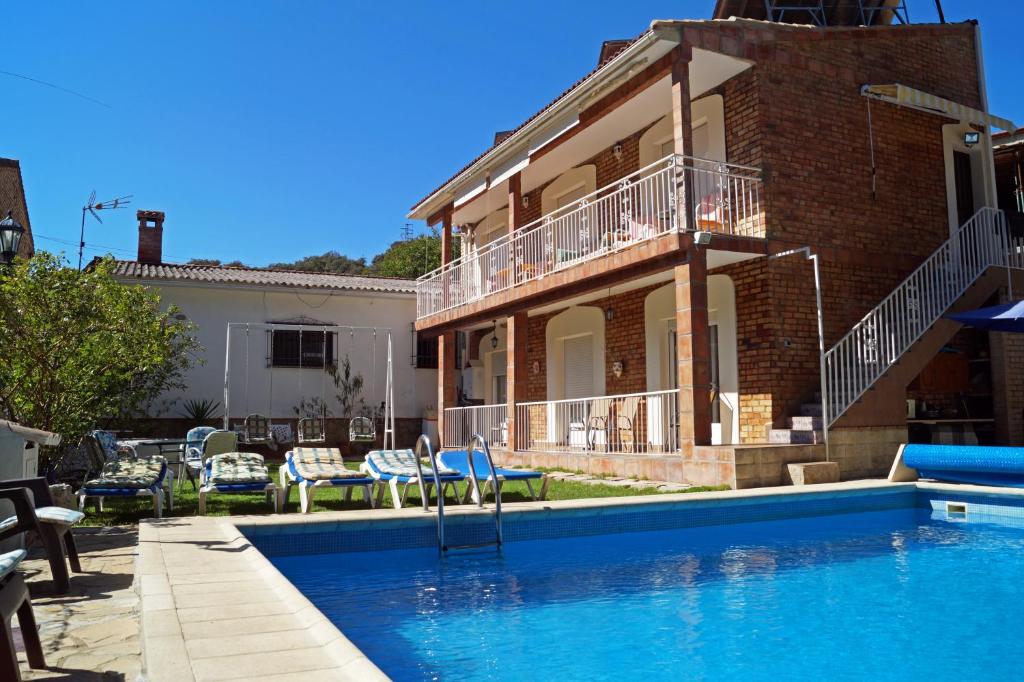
[(875, 343)]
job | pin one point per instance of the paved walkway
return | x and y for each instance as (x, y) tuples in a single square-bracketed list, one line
[(91, 633), (619, 482)]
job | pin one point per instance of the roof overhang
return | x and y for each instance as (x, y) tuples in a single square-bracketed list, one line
[(513, 153), (904, 96)]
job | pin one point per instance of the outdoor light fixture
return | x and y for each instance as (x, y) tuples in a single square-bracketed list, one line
[(617, 151), (609, 311), (701, 237), (525, 201), (972, 137), (10, 238), (494, 336)]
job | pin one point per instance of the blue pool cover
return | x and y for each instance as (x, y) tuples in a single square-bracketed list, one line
[(982, 465)]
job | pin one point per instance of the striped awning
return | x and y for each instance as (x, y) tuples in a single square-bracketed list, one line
[(933, 104)]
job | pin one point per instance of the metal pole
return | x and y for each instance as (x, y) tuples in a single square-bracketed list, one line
[(81, 241), (227, 367), (813, 257)]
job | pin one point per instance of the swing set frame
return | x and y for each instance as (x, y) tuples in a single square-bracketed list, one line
[(271, 327)]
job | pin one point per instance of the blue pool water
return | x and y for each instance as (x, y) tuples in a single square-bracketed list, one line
[(885, 595)]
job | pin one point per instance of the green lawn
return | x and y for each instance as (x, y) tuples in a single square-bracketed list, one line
[(128, 511)]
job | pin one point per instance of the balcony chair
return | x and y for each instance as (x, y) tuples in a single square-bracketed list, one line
[(36, 513)]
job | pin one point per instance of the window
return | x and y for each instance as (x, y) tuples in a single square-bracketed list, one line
[(575, 194), (285, 348), (426, 352)]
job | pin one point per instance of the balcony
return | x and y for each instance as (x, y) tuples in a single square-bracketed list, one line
[(636, 209)]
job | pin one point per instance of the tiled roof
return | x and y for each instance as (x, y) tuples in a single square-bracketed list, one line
[(12, 198), (208, 274)]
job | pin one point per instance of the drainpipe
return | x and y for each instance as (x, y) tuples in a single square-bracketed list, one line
[(813, 257)]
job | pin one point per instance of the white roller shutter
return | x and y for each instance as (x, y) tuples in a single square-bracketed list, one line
[(578, 354)]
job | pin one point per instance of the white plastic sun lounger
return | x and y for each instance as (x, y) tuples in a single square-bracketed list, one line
[(143, 477), (398, 468), (237, 472), (312, 468)]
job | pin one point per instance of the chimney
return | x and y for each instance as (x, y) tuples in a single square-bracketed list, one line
[(151, 236)]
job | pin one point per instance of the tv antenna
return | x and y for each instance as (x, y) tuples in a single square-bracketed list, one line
[(407, 232), (91, 207)]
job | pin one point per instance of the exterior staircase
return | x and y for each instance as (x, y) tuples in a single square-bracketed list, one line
[(805, 428), (883, 352)]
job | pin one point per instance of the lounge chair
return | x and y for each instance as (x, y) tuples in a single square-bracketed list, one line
[(312, 468), (36, 513), (205, 441), (398, 468), (459, 460), (14, 599), (237, 472), (143, 477)]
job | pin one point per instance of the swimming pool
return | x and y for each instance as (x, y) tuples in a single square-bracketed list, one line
[(882, 584)]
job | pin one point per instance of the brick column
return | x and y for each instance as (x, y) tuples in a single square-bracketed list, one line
[(693, 351), (516, 373), (515, 202), (447, 394), (682, 127)]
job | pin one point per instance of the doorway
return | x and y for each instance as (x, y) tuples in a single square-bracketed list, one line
[(963, 179)]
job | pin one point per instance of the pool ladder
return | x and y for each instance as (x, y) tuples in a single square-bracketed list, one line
[(476, 441)]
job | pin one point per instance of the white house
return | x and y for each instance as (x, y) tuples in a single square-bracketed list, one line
[(272, 370)]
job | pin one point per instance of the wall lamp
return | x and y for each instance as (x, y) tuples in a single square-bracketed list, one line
[(701, 237)]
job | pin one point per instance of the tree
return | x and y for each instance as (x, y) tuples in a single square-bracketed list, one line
[(209, 262), (331, 261), (81, 349), (410, 258)]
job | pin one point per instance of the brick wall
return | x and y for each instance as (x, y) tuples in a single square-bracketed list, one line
[(799, 116)]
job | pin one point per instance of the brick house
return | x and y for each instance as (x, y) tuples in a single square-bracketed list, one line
[(12, 200), (631, 296)]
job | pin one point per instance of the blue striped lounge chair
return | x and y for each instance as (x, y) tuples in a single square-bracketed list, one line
[(397, 468), (459, 460), (312, 468), (142, 477), (237, 472)]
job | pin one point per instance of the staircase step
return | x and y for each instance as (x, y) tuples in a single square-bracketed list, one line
[(810, 410), (794, 437), (805, 423)]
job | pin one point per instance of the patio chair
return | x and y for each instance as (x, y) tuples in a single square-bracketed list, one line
[(459, 460), (194, 440), (35, 512), (312, 468), (599, 424), (398, 468), (14, 599), (143, 477), (626, 423), (234, 473), (216, 442)]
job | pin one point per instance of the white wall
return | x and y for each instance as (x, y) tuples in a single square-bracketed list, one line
[(659, 309), (211, 308)]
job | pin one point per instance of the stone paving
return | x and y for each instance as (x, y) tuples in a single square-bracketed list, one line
[(91, 633), (618, 482)]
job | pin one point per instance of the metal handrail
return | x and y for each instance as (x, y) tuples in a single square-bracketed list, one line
[(470, 449), (418, 452)]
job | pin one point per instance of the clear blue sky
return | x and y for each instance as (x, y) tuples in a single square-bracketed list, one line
[(273, 130)]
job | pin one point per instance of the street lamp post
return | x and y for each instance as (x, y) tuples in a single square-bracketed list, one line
[(11, 232)]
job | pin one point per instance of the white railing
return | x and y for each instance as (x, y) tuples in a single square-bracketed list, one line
[(876, 342), (633, 423), (462, 423), (640, 207)]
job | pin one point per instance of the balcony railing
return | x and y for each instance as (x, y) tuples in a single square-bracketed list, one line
[(462, 423), (638, 208), (634, 423)]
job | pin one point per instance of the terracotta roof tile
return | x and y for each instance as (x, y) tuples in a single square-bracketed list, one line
[(126, 269)]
